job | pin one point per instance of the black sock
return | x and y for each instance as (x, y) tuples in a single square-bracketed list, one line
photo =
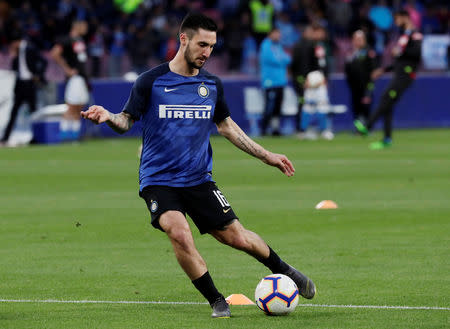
[(206, 286), (274, 263)]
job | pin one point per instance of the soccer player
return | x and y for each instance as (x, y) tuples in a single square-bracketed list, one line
[(359, 66), (71, 54), (407, 53), (177, 102)]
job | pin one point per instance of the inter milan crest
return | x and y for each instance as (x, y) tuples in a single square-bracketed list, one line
[(154, 206), (203, 91)]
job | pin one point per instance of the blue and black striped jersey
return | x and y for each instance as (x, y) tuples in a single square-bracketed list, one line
[(177, 114)]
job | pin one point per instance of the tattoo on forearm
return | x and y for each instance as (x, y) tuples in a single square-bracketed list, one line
[(249, 146), (234, 134), (120, 122)]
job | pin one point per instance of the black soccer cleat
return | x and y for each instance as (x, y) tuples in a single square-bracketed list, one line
[(305, 285), (221, 309)]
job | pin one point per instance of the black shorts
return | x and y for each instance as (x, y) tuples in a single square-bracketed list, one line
[(204, 203)]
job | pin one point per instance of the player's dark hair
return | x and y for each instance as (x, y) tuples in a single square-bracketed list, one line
[(402, 13), (194, 21)]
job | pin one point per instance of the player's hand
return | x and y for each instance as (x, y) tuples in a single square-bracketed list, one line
[(366, 100), (71, 72), (377, 73), (396, 51), (281, 162), (96, 113)]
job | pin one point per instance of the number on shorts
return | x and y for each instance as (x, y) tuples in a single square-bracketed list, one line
[(223, 202)]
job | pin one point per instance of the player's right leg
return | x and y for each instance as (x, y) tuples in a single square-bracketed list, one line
[(167, 212), (179, 233), (175, 225)]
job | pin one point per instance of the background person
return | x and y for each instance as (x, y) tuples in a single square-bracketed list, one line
[(359, 67), (317, 105), (262, 16), (303, 62), (309, 55), (71, 55), (315, 100), (273, 61), (407, 57), (29, 66)]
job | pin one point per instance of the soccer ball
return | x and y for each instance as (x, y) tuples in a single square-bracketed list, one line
[(276, 294), (315, 79)]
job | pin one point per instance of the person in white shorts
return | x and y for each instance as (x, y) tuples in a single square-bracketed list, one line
[(70, 53), (316, 104)]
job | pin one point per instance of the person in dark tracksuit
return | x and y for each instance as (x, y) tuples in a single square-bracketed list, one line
[(29, 67), (303, 62), (359, 66), (309, 54), (407, 53)]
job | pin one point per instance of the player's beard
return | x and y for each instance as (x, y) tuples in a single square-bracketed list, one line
[(190, 60)]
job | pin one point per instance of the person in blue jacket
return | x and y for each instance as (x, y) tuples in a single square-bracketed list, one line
[(274, 62)]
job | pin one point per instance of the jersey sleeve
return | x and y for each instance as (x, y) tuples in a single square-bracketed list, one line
[(221, 111), (137, 103)]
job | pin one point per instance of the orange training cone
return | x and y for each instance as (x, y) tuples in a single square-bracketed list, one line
[(239, 299), (326, 204)]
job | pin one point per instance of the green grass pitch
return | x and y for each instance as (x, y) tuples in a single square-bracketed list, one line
[(72, 228)]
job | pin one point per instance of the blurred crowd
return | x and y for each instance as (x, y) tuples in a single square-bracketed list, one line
[(135, 35)]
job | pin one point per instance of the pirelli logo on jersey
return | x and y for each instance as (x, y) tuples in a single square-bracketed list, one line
[(185, 111)]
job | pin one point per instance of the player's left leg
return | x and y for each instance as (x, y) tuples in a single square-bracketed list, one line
[(309, 111), (70, 127), (355, 102), (76, 97), (269, 95), (236, 236), (300, 100), (212, 213), (276, 117), (323, 113)]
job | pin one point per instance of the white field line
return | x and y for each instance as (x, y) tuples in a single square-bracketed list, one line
[(381, 307), (389, 307)]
